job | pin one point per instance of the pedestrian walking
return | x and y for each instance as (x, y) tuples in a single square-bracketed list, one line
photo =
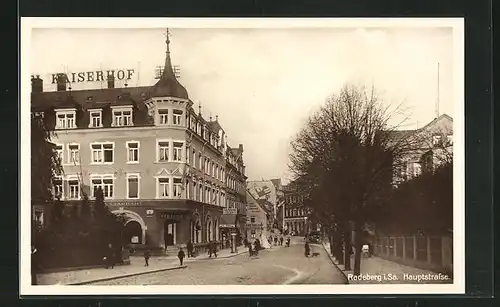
[(256, 247), (275, 241), (110, 257), (147, 255), (190, 248), (250, 250), (181, 256), (281, 241), (307, 249), (288, 242), (214, 248)]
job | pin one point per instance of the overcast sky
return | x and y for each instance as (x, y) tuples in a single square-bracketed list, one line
[(264, 83)]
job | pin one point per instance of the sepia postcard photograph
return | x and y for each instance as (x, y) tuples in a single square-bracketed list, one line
[(242, 156)]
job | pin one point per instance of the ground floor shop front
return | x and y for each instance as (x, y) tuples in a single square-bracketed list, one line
[(159, 224)]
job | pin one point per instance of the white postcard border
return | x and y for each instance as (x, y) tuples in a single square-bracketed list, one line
[(458, 286)]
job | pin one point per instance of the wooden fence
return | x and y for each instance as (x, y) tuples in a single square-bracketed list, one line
[(427, 252)]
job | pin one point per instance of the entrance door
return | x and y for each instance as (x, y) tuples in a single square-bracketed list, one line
[(169, 233)]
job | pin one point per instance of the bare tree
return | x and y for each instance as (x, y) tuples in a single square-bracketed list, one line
[(346, 153)]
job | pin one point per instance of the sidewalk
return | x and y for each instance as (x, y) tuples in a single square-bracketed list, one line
[(376, 270), (136, 267)]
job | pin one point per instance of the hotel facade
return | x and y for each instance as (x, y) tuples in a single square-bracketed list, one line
[(158, 161)]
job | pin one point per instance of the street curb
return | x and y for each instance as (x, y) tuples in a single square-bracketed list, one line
[(126, 275), (346, 281)]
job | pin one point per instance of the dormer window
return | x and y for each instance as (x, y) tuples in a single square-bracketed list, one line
[(177, 117), (66, 119), (95, 118), (122, 117), (163, 116)]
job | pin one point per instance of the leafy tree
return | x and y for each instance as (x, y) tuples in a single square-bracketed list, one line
[(346, 154), (45, 163)]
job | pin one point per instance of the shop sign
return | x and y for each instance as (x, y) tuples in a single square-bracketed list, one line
[(123, 203), (170, 216), (229, 211)]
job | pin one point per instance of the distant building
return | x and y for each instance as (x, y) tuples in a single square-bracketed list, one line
[(158, 161), (256, 218), (433, 146), (296, 213), (265, 190)]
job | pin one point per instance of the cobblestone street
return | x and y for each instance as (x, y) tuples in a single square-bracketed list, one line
[(277, 265)]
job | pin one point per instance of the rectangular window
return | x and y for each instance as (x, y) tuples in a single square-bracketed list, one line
[(200, 196), (105, 183), (95, 119), (133, 152), (187, 187), (188, 155), (177, 117), (108, 153), (200, 161), (102, 153), (163, 187), (177, 187), (195, 191), (133, 186), (163, 116), (163, 151), (178, 151), (252, 219), (74, 153), (193, 123), (58, 187), (194, 158), (66, 121), (74, 189), (122, 118), (60, 152)]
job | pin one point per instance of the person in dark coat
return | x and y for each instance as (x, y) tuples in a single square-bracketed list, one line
[(147, 255), (275, 241), (288, 242), (181, 256), (250, 250), (110, 257), (256, 247), (281, 241), (307, 249), (190, 248)]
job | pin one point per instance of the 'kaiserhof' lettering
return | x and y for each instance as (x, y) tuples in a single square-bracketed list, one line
[(95, 76)]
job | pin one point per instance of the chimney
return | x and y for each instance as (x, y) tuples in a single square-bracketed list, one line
[(241, 147), (36, 84), (61, 82), (111, 81)]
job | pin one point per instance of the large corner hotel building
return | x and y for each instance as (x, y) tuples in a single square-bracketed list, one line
[(158, 161)]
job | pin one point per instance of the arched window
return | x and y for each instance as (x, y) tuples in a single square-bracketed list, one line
[(208, 229)]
